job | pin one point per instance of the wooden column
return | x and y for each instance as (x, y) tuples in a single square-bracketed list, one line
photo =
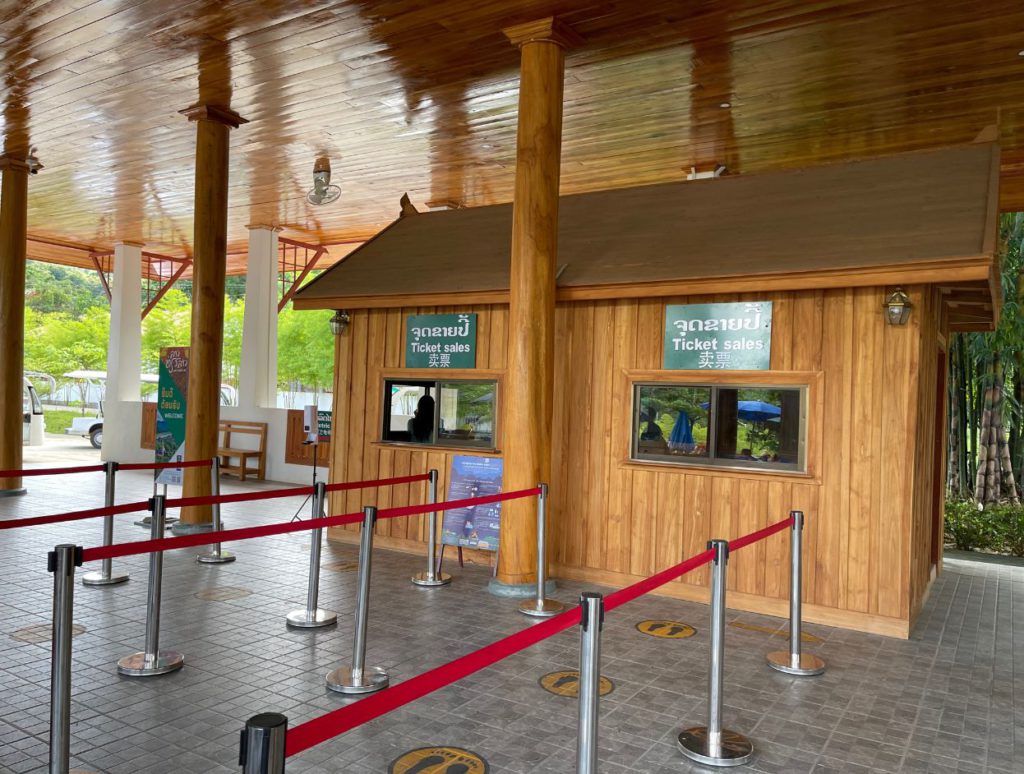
[(13, 233), (202, 415), (529, 384)]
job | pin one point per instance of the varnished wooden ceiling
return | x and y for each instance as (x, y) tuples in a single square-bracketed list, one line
[(406, 95)]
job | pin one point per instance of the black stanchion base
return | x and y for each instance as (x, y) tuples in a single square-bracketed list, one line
[(13, 492), (734, 749)]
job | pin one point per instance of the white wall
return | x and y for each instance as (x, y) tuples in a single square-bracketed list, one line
[(122, 431)]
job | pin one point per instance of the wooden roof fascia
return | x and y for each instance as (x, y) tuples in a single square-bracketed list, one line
[(935, 272)]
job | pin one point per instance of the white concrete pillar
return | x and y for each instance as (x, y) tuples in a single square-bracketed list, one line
[(124, 354), (257, 382)]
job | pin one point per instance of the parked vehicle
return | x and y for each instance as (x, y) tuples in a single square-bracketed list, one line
[(34, 428), (91, 427)]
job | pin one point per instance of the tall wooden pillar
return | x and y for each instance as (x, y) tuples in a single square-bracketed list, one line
[(209, 266), (13, 233), (529, 384)]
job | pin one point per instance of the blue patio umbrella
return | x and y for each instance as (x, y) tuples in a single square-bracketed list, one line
[(682, 432), (754, 410)]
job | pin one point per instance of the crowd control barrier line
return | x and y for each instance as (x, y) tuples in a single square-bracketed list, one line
[(313, 732), (244, 533), (56, 518), (50, 471), (347, 485), (761, 534), (244, 497), (165, 465)]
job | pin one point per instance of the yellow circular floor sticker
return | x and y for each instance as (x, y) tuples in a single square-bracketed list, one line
[(439, 760), (567, 683), (669, 630)]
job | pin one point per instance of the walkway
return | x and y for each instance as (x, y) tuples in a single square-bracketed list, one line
[(942, 702)]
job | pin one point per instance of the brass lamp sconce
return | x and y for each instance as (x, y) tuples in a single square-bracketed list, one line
[(339, 322), (897, 307)]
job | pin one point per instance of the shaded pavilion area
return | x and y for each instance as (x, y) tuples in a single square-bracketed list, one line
[(149, 141)]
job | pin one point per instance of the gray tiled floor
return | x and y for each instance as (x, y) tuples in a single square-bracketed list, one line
[(944, 701)]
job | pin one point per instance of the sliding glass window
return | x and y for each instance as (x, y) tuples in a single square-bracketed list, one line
[(756, 427), (440, 413)]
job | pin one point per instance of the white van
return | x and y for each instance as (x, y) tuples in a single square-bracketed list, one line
[(32, 434)]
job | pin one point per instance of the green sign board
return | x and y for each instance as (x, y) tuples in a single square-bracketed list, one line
[(440, 341), (170, 411), (323, 425), (730, 337)]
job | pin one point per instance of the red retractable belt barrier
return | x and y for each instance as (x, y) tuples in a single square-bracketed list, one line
[(325, 727), (75, 515), (761, 534), (164, 465), (379, 482), (208, 538), (182, 502), (50, 471), (413, 510), (227, 535)]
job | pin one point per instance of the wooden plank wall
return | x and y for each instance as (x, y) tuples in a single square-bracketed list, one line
[(375, 339), (613, 521)]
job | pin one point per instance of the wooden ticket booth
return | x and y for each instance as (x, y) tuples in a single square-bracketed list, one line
[(724, 354)]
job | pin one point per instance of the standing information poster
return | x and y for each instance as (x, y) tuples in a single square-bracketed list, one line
[(477, 525), (170, 411), (724, 337)]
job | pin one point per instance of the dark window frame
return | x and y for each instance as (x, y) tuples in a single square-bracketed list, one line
[(712, 460), (434, 387)]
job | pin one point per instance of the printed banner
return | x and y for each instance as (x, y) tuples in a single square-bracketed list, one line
[(170, 411), (440, 341), (323, 425), (731, 337), (476, 526)]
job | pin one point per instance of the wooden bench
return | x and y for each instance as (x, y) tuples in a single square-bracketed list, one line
[(226, 451)]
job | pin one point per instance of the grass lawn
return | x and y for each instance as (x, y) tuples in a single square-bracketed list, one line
[(59, 420)]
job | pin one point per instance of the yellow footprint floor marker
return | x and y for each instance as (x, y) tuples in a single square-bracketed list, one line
[(439, 760), (668, 630), (567, 683)]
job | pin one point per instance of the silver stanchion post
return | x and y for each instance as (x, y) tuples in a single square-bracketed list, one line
[(794, 662), (540, 606), (153, 661), (106, 576), (432, 577), (358, 678), (591, 624), (62, 562), (215, 555), (712, 745), (262, 749), (312, 617)]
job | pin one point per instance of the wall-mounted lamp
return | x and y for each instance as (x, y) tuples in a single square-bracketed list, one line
[(339, 322), (897, 308)]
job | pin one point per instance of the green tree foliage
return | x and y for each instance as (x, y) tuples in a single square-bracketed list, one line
[(168, 325), (60, 289), (305, 350)]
